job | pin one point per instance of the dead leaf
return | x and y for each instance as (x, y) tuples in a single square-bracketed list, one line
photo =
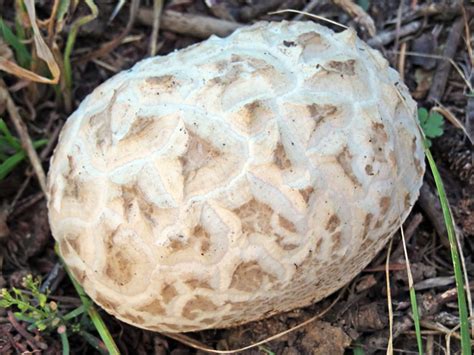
[(423, 80), (452, 118), (42, 50)]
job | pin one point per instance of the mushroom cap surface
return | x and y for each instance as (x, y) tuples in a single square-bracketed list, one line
[(235, 179)]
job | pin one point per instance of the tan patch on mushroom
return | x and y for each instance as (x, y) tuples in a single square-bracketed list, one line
[(285, 223), (379, 139), (344, 67), (380, 132), (281, 159), (139, 129), (170, 326), (333, 223), (134, 318), (177, 244), (199, 153), (119, 268), (196, 306), (248, 277), (195, 283), (368, 218), (344, 158), (416, 161), (369, 170), (132, 193), (252, 117), (392, 157), (105, 302), (312, 44), (164, 82), (79, 275), (64, 248), (101, 124), (321, 113), (73, 241), (283, 245), (201, 234), (168, 292), (154, 307), (406, 201), (384, 204), (255, 216), (73, 189), (310, 38), (306, 193), (319, 243)]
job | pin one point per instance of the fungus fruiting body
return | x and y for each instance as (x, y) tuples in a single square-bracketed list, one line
[(235, 179)]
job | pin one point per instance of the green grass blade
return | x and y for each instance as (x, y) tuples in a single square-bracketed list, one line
[(22, 54), (64, 341), (93, 314), (62, 10), (75, 312), (93, 341), (12, 141), (416, 319), (357, 350), (413, 301), (71, 39), (448, 220), (9, 164)]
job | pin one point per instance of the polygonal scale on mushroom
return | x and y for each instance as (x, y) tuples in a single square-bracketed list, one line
[(235, 179)]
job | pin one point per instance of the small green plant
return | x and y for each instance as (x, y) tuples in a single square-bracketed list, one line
[(432, 124), (33, 307), (11, 152)]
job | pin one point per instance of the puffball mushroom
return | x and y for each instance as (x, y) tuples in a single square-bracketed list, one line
[(235, 179)]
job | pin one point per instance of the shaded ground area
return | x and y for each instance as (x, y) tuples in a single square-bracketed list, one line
[(413, 35)]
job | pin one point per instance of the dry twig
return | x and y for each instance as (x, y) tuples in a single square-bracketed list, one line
[(157, 7), (358, 14), (440, 78), (386, 37), (111, 45), (25, 139), (189, 24)]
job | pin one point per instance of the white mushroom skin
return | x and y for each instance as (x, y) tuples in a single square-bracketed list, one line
[(235, 179)]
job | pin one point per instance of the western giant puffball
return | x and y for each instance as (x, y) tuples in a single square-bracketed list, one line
[(235, 179)]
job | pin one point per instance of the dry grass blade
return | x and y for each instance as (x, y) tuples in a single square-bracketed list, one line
[(42, 50), (452, 118), (25, 139), (309, 15), (453, 63), (200, 346), (413, 301), (389, 299), (467, 37), (111, 45), (71, 39), (157, 7), (51, 21)]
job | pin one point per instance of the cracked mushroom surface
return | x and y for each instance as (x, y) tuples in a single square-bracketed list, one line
[(235, 179)]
